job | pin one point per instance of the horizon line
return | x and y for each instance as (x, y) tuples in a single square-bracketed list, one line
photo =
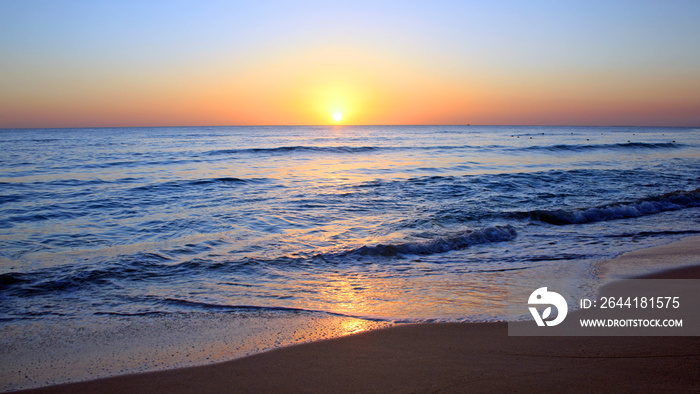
[(338, 125)]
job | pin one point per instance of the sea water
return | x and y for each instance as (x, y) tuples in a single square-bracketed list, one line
[(140, 243)]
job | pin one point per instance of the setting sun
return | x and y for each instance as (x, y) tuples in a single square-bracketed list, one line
[(337, 116)]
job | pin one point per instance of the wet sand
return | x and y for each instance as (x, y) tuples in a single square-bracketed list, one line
[(450, 357)]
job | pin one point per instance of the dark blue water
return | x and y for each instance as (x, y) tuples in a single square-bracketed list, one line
[(390, 222)]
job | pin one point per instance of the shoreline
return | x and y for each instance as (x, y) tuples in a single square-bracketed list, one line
[(453, 356), (655, 260)]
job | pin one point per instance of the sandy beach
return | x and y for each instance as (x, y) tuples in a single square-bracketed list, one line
[(435, 358), (450, 357)]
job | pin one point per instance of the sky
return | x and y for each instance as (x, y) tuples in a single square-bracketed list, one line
[(69, 63)]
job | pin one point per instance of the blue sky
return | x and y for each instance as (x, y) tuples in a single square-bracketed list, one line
[(60, 59)]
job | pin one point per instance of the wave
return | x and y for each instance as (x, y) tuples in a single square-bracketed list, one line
[(345, 149), (672, 201), (152, 266), (200, 182), (182, 305), (442, 244), (212, 307), (590, 147), (228, 180), (652, 233), (288, 149)]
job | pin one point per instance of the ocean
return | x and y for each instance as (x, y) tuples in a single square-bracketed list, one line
[(130, 249)]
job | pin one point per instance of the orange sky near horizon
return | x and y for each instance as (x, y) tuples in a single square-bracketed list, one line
[(415, 70)]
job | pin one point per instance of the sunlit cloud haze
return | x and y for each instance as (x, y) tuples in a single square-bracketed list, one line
[(169, 63)]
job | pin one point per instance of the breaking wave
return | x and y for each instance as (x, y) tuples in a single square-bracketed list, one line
[(673, 201), (143, 267), (443, 244)]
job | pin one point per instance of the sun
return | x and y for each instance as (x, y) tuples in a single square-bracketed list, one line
[(337, 116)]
